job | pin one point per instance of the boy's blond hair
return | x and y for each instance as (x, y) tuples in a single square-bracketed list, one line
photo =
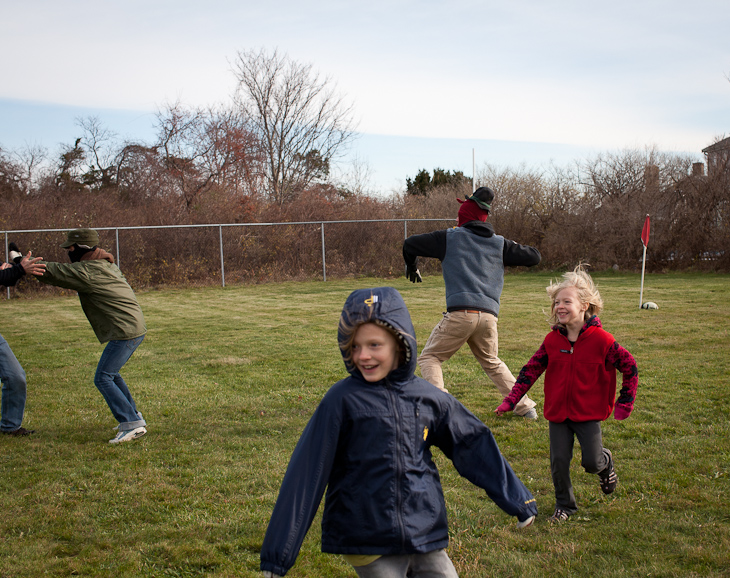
[(348, 329), (585, 287)]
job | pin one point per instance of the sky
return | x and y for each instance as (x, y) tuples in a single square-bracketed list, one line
[(447, 84)]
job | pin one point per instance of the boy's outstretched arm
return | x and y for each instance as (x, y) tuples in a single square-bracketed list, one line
[(426, 245), (301, 492), (470, 445)]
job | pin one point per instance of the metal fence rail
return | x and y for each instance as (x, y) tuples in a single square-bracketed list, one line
[(253, 251)]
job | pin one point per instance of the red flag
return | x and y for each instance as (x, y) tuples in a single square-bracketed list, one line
[(645, 232)]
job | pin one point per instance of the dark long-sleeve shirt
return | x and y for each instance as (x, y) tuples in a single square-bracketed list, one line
[(10, 276)]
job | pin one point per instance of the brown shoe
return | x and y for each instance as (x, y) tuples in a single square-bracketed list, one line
[(21, 431)]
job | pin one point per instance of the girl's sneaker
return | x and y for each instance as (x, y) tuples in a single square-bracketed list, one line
[(559, 515), (608, 477)]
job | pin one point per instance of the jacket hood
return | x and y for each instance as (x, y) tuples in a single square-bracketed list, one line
[(481, 229), (385, 306)]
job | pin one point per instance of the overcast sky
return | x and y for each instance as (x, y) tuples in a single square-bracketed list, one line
[(555, 78)]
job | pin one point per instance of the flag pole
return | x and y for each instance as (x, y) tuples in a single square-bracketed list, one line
[(644, 241), (473, 172), (641, 294)]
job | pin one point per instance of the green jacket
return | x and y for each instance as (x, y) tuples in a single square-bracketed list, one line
[(106, 298)]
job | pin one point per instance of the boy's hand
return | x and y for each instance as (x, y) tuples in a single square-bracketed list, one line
[(268, 574), (504, 408)]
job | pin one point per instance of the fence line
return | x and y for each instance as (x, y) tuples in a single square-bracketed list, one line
[(220, 227)]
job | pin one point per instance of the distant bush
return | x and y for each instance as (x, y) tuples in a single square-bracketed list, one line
[(592, 212)]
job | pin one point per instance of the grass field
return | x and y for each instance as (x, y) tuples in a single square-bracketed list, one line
[(227, 379)]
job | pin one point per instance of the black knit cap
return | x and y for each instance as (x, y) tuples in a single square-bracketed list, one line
[(483, 197)]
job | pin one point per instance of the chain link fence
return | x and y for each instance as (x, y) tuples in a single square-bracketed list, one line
[(226, 254)]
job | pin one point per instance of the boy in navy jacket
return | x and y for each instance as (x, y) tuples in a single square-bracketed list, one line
[(369, 444)]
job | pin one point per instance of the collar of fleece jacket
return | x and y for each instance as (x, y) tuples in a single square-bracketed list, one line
[(386, 305), (593, 321)]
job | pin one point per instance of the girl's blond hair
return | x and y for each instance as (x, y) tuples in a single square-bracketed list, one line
[(584, 286)]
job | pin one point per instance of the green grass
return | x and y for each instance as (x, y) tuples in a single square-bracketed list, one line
[(227, 379)]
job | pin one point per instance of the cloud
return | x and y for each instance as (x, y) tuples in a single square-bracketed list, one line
[(571, 72)]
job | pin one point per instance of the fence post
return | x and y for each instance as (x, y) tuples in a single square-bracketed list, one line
[(119, 263), (223, 270), (405, 236), (7, 289), (324, 262)]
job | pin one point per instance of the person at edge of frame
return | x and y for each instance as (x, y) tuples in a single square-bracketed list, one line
[(14, 384)]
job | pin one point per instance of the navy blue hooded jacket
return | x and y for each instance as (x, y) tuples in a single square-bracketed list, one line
[(370, 444)]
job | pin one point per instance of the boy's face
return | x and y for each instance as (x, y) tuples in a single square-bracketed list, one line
[(374, 352), (569, 309)]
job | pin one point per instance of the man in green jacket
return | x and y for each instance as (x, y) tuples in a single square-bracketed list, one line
[(115, 316)]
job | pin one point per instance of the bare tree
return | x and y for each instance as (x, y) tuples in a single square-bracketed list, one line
[(355, 179), (202, 149), (24, 168), (11, 177), (100, 147), (300, 121), (233, 157)]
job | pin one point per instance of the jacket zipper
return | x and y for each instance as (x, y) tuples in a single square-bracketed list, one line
[(571, 381), (398, 461)]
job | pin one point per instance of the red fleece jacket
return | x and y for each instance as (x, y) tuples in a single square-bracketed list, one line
[(580, 379)]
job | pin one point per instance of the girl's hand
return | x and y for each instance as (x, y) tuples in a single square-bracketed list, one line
[(620, 412), (504, 408)]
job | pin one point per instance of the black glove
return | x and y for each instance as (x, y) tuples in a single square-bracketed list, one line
[(413, 274), (15, 255)]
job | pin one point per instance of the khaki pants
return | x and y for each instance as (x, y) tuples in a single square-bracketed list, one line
[(479, 330)]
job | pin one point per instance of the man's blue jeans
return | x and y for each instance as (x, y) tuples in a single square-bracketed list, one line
[(112, 386), (14, 388)]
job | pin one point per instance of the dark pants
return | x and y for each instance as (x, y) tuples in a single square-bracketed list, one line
[(594, 457)]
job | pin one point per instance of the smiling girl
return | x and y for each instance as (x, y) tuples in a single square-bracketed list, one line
[(580, 360)]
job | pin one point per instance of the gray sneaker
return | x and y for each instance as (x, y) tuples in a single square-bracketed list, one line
[(128, 435), (526, 523), (531, 414)]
